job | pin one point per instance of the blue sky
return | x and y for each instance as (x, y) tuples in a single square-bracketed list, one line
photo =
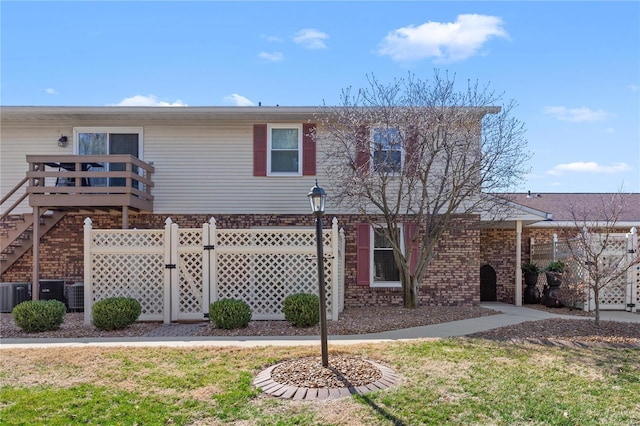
[(573, 67)]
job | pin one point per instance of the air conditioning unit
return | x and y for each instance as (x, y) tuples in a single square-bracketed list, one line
[(75, 297), (11, 294), (52, 290), (6, 297), (21, 293)]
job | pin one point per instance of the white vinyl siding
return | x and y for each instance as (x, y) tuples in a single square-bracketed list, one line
[(209, 170), (18, 141)]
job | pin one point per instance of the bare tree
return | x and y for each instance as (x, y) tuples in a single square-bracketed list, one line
[(413, 154), (603, 254), (573, 289)]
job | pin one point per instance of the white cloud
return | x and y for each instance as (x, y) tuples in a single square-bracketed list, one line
[(588, 167), (150, 100), (311, 38), (576, 115), (271, 57), (238, 100), (444, 41), (633, 87), (51, 91)]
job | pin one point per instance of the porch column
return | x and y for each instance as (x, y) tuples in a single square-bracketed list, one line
[(518, 263), (35, 274)]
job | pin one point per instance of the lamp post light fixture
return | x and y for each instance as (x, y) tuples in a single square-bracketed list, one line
[(317, 197)]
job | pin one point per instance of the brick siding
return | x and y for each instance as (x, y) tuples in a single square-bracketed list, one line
[(451, 279)]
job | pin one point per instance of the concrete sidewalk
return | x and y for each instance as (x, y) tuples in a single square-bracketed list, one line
[(174, 336)]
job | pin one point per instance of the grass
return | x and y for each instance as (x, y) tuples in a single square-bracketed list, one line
[(450, 381)]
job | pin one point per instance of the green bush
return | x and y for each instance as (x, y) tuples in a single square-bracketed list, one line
[(230, 313), (39, 315), (301, 310), (115, 313)]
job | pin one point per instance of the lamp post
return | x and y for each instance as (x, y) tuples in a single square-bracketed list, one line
[(317, 197)]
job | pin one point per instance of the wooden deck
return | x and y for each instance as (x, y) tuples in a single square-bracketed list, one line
[(101, 182)]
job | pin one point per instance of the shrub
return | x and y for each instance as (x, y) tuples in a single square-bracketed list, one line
[(39, 315), (301, 310), (115, 313), (230, 313)]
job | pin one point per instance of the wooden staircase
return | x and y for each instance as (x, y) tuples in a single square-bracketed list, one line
[(16, 234)]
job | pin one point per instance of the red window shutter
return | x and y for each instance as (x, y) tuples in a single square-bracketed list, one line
[(362, 149), (363, 254), (410, 151), (410, 230), (259, 149), (308, 149)]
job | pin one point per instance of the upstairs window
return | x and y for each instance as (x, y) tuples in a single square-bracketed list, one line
[(284, 143), (386, 147)]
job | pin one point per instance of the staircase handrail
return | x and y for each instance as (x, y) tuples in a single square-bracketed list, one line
[(9, 194)]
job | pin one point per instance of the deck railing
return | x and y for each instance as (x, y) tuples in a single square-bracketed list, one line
[(68, 181)]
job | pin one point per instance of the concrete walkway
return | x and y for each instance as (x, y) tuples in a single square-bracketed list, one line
[(177, 334)]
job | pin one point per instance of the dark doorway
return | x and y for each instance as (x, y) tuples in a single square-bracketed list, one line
[(488, 284)]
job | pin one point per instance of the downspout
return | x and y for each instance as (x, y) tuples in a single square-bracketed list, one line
[(518, 263)]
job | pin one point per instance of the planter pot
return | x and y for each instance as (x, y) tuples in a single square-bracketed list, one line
[(531, 295), (531, 279), (554, 279), (551, 295), (531, 292)]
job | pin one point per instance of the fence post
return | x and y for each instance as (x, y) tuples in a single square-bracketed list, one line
[(213, 263), (166, 306), (553, 248), (335, 286), (633, 273), (175, 279), (341, 271), (206, 253), (88, 291), (532, 249)]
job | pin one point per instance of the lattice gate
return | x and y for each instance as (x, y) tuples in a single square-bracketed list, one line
[(176, 273), (620, 294)]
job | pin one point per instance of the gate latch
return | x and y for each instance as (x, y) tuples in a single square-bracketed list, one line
[(209, 247), (170, 266)]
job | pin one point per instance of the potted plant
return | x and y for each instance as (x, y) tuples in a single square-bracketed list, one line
[(551, 296), (554, 273), (530, 272)]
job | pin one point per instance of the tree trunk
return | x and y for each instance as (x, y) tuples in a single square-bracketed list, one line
[(596, 300), (409, 291)]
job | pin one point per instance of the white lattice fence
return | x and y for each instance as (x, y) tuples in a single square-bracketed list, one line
[(125, 263), (263, 267), (619, 294), (176, 273)]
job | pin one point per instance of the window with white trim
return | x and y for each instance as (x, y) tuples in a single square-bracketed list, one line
[(386, 149), (385, 271), (284, 146)]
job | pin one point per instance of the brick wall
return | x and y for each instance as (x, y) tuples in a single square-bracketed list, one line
[(451, 279)]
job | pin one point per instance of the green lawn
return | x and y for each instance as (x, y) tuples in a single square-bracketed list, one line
[(452, 381)]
